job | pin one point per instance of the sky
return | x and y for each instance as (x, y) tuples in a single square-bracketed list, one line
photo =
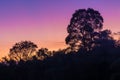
[(44, 22)]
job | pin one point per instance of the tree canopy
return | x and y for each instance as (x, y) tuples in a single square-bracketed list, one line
[(22, 50), (83, 25)]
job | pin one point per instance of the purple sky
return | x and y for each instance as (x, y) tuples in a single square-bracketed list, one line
[(45, 21)]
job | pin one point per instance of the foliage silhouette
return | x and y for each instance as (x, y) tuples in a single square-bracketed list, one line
[(22, 50), (81, 28), (43, 53)]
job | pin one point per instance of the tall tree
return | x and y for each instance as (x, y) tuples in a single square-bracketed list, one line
[(22, 50), (83, 24)]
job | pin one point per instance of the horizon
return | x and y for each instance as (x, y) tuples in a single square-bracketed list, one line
[(45, 23)]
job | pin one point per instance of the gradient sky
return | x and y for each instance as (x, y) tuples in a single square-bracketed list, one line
[(44, 22)]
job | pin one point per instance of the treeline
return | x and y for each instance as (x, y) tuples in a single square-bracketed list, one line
[(97, 64), (92, 54)]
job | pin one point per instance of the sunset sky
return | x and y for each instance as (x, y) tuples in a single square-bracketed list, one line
[(44, 22)]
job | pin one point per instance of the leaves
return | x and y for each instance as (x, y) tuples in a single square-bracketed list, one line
[(22, 50), (82, 25)]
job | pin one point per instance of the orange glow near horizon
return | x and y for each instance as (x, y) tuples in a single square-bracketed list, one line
[(50, 45)]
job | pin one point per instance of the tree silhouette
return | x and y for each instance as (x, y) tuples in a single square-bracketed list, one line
[(22, 50), (82, 26), (42, 53)]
